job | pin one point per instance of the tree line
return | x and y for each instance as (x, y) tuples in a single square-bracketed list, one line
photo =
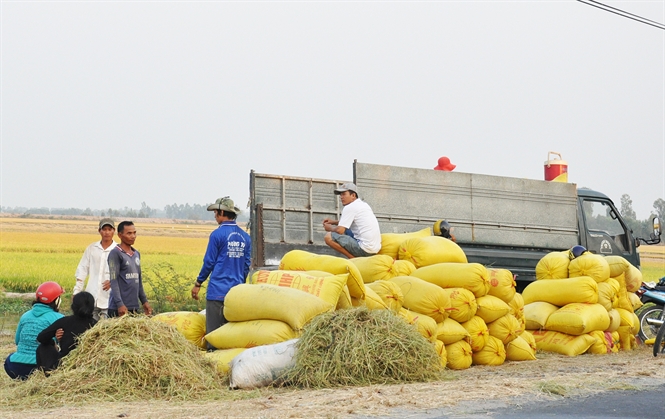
[(641, 228), (174, 211)]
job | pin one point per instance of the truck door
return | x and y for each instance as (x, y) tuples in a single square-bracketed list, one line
[(606, 233)]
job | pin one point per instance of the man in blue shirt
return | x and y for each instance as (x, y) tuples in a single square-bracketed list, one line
[(226, 262)]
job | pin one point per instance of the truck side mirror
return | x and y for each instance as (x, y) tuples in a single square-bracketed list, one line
[(656, 228)]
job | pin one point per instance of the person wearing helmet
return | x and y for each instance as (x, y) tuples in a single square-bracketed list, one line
[(576, 251), (358, 217), (444, 229), (66, 331), (94, 266), (127, 293), (226, 262), (44, 311)]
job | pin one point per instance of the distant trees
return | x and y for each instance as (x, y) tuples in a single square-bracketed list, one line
[(187, 212), (626, 209), (659, 206)]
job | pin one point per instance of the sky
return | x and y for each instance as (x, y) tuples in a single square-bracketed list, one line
[(107, 104)]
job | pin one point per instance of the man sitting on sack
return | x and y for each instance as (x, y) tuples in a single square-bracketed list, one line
[(356, 233)]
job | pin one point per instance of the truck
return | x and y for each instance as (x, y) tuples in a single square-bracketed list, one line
[(499, 222)]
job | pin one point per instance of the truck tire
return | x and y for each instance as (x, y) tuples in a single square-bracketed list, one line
[(649, 310)]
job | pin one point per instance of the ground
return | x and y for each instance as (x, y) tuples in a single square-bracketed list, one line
[(551, 377)]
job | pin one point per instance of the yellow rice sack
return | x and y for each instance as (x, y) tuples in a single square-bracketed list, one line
[(627, 338), (247, 302), (517, 307), (470, 276), (553, 265), (591, 265), (617, 264), (441, 350), (494, 353), (491, 308), (192, 325), (636, 324), (402, 268), (478, 333), (633, 279), (222, 358), (382, 267), (463, 305), (344, 300), (299, 260), (607, 294), (617, 341), (520, 350), (389, 292), (502, 284), (374, 268), (390, 241), (528, 337), (628, 319), (622, 296), (603, 345), (537, 313), (450, 331), (581, 289), (562, 343), (250, 333), (578, 319), (423, 297), (634, 301), (505, 328), (615, 320), (427, 327), (460, 355), (425, 251), (373, 301), (327, 288)]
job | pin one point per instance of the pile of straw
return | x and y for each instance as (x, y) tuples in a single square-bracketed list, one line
[(362, 347), (127, 358)]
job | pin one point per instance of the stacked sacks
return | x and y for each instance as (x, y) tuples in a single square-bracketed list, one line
[(425, 251), (300, 260), (190, 324), (382, 267), (484, 303), (260, 313), (586, 311), (472, 314), (390, 242)]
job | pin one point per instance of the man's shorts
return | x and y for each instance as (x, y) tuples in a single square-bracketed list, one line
[(350, 244)]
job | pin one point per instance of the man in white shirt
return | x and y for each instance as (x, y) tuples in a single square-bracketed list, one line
[(357, 233), (94, 265)]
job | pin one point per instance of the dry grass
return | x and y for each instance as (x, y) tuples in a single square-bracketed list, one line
[(361, 347), (551, 377), (131, 358)]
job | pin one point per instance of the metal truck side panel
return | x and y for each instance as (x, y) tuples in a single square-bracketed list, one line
[(287, 213), (485, 210)]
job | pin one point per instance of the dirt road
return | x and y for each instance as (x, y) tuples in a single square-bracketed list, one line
[(550, 379)]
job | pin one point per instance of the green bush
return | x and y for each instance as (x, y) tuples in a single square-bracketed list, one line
[(168, 290)]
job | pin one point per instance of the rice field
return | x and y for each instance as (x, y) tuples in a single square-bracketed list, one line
[(34, 251)]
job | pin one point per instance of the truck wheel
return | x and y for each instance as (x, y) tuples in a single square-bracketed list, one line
[(658, 343), (649, 310)]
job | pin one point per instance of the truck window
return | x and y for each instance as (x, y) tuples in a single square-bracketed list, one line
[(601, 218)]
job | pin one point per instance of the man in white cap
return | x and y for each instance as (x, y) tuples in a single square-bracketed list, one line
[(226, 262), (357, 233), (94, 266)]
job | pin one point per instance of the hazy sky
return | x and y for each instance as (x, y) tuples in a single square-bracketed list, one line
[(108, 104)]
